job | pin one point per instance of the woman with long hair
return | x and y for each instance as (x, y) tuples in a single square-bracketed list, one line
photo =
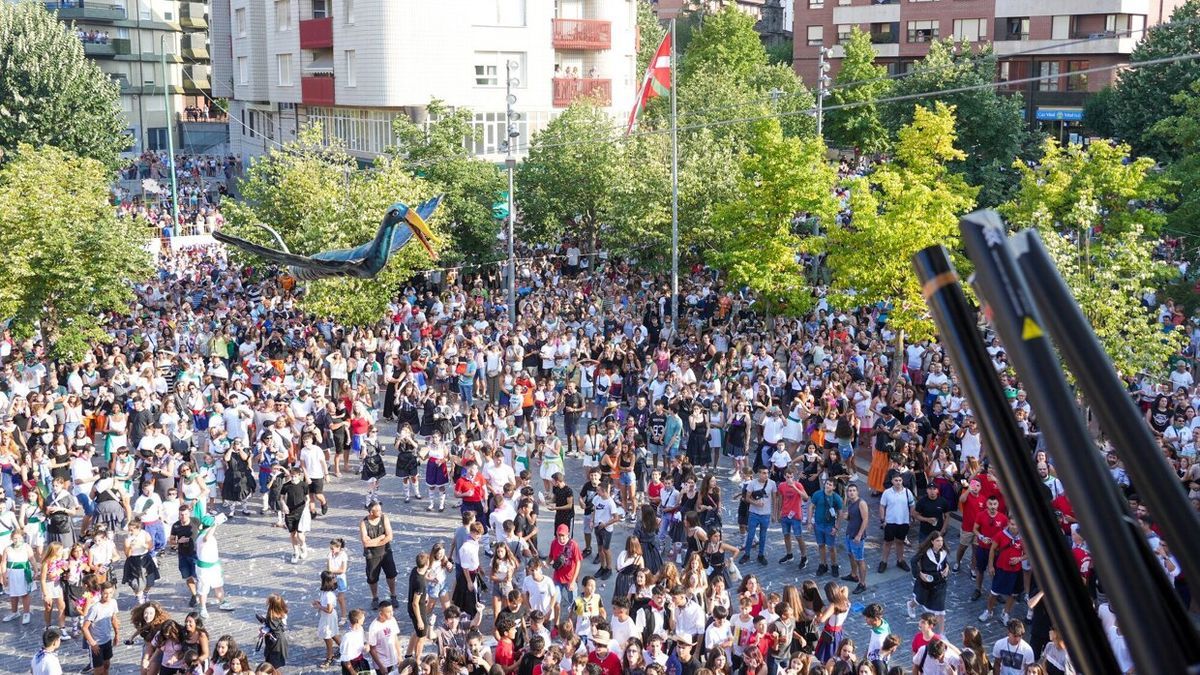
[(931, 568), (275, 642), (972, 640), (223, 653), (833, 616), (629, 561), (646, 531)]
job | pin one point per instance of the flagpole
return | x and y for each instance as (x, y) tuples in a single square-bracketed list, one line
[(674, 197)]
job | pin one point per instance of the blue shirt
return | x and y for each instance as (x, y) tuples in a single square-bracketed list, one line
[(822, 505), (673, 431)]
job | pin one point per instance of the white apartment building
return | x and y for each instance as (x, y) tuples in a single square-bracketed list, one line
[(356, 65)]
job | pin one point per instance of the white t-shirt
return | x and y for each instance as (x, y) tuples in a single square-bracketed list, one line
[(468, 555), (383, 636), (498, 476), (313, 459), (45, 663), (541, 593), (1012, 658), (768, 489), (606, 510), (896, 506), (353, 642)]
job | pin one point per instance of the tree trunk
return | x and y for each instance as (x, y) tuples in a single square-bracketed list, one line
[(894, 375)]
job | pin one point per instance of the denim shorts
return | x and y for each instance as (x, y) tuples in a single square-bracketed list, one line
[(857, 550), (792, 526), (825, 535)]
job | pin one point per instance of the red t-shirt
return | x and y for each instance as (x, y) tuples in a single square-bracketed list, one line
[(654, 491), (610, 664), (989, 488), (1009, 552), (1063, 506), (475, 489), (791, 499), (504, 654), (571, 557), (919, 641), (989, 527), (972, 506), (1083, 559)]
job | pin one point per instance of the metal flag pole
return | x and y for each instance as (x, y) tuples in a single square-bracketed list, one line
[(1055, 568), (674, 196), (1158, 486), (510, 163), (1156, 626), (162, 45)]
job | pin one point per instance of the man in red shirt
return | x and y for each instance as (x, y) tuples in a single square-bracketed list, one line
[(566, 560), (792, 499), (1083, 557), (472, 489), (988, 524), (1064, 511), (1007, 557), (971, 503), (602, 656)]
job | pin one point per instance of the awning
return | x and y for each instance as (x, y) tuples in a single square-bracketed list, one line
[(321, 65)]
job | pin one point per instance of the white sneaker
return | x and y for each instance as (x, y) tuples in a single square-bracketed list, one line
[(1004, 615), (295, 558), (912, 609), (9, 617), (985, 615), (25, 618), (204, 613), (226, 605)]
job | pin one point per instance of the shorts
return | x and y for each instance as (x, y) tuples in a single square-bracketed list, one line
[(603, 538), (981, 559), (966, 538), (845, 450), (264, 481), (293, 523), (856, 549), (824, 535), (341, 583), (655, 450), (102, 655), (895, 531), (627, 478), (381, 563), (422, 631), (1005, 583), (316, 486), (187, 567), (792, 526)]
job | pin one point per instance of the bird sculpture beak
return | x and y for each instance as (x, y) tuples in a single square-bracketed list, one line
[(421, 229)]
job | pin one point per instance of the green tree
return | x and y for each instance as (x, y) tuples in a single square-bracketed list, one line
[(780, 178), (650, 35), (782, 52), (1101, 191), (50, 93), (1099, 112), (438, 153), (568, 174), (906, 205), (726, 41), (993, 133), (1182, 132), (315, 196), (859, 84), (1146, 95), (65, 258)]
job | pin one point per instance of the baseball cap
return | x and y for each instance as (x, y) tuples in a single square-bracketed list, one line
[(563, 529)]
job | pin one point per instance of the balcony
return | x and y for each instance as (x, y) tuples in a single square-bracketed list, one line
[(196, 53), (110, 47), (316, 90), (193, 15), (567, 90), (316, 33), (587, 34), (196, 83), (81, 10)]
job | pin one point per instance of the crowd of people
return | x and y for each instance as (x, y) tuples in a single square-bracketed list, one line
[(202, 182), (678, 462), (92, 37)]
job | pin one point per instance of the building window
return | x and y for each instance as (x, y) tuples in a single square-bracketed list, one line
[(843, 32), (922, 31), (816, 36), (843, 3), (243, 70), (491, 68), (284, 63), (351, 68), (349, 12), (1050, 71), (1077, 81), (501, 13), (320, 9), (239, 21), (1060, 27), (885, 33), (1016, 28), (283, 15), (363, 131), (816, 4), (970, 30), (486, 75), (922, 0), (1125, 25)]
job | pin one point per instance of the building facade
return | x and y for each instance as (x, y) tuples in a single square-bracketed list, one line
[(356, 65), (127, 39), (1055, 38)]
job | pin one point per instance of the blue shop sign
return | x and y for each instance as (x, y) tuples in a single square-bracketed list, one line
[(1060, 114)]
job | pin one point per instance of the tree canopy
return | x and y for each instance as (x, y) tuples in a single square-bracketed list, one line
[(1146, 94), (727, 40), (908, 204), (650, 34), (438, 154), (50, 93), (1182, 132), (859, 84), (317, 199), (65, 258)]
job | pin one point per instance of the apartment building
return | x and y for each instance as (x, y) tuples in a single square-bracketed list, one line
[(357, 65), (773, 17), (1055, 38), (127, 39)]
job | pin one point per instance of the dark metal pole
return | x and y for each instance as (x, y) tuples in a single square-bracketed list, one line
[(1069, 604), (1119, 417), (1155, 624)]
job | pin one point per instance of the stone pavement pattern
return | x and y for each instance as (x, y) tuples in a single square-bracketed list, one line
[(255, 556)]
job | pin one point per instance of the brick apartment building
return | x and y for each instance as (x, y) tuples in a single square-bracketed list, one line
[(1068, 36)]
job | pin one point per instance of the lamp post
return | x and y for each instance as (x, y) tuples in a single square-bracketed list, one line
[(162, 44), (510, 162)]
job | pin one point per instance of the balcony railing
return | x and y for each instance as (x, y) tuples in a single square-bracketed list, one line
[(316, 90), (91, 11), (109, 47), (570, 89), (196, 83), (193, 15), (582, 34), (316, 33)]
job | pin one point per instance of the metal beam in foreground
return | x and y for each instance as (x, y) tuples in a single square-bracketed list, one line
[(1055, 567), (1119, 418), (1156, 627)]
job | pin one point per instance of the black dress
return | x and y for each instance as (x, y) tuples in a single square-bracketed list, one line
[(239, 481), (697, 444), (275, 643), (407, 463)]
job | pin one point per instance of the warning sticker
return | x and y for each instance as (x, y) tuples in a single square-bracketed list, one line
[(1030, 330)]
